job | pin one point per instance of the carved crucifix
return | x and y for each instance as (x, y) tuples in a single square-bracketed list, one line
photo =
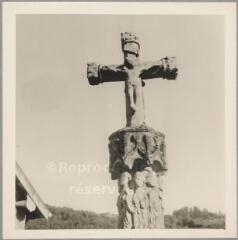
[(133, 73), (137, 152)]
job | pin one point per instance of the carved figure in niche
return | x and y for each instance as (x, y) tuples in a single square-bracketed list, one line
[(124, 202), (151, 146), (155, 203), (140, 201), (155, 152)]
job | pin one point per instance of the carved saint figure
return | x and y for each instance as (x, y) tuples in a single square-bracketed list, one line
[(140, 201), (155, 203), (124, 202)]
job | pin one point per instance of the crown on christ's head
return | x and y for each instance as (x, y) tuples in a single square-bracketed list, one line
[(130, 43)]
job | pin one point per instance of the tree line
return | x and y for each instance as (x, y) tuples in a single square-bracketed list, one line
[(67, 218)]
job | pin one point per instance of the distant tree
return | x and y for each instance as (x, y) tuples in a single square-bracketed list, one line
[(170, 221), (195, 218)]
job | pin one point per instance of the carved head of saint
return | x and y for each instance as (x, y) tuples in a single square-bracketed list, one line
[(139, 179), (150, 177), (125, 178), (152, 180)]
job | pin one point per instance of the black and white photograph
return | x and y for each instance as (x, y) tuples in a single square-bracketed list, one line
[(122, 121)]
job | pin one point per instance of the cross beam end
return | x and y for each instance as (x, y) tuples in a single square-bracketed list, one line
[(165, 68), (99, 74), (93, 73)]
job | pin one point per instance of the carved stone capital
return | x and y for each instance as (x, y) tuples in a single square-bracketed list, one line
[(133, 149)]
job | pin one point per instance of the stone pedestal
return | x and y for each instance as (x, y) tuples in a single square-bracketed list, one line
[(138, 162)]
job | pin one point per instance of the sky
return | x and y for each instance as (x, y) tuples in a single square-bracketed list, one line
[(63, 123)]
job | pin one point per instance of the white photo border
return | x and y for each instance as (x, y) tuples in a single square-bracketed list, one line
[(11, 9)]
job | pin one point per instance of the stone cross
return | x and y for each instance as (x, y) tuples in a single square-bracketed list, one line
[(133, 73), (137, 152)]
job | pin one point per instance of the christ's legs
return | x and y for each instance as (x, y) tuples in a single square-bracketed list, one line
[(134, 101), (131, 98), (138, 99)]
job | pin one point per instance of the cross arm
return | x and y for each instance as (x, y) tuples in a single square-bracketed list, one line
[(164, 68), (97, 74)]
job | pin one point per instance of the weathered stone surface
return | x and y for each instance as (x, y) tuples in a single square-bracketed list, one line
[(132, 72), (165, 68), (133, 149), (154, 189), (138, 161), (130, 43), (137, 152), (124, 202), (140, 202)]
